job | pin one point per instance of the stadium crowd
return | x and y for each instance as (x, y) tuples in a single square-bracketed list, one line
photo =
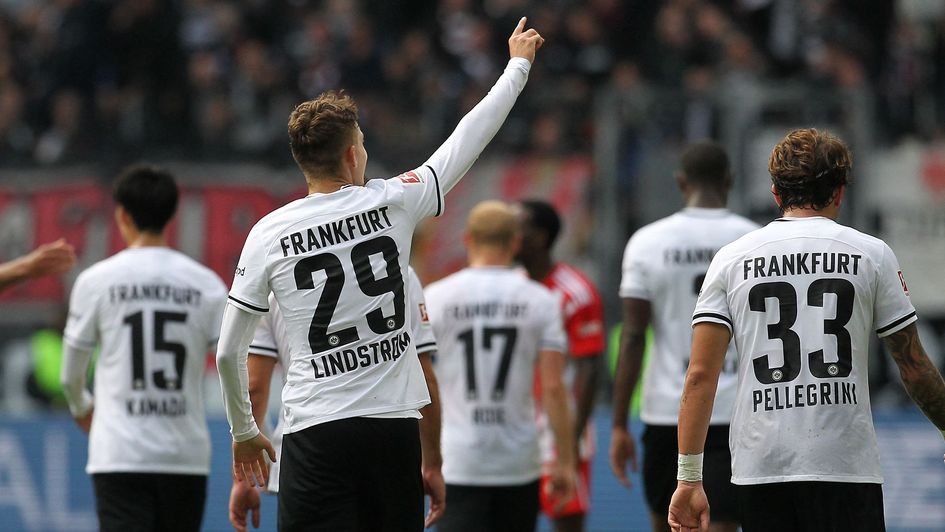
[(90, 80)]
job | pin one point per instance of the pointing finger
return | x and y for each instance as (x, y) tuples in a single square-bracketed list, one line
[(520, 27)]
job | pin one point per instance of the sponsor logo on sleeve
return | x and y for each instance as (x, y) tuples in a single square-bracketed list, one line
[(902, 280), (241, 271), (410, 177)]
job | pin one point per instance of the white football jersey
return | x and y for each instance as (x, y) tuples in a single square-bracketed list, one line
[(335, 263), (271, 340), (155, 313), (803, 296), (490, 324), (665, 263)]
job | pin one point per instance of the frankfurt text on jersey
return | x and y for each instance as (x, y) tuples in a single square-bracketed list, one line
[(801, 263), (336, 232), (122, 293)]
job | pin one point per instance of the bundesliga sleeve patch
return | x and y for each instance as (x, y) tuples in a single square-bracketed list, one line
[(410, 178), (902, 280), (424, 317)]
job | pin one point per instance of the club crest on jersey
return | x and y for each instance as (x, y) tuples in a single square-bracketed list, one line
[(410, 177), (902, 280)]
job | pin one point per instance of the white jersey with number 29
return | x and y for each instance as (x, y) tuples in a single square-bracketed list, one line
[(490, 324), (155, 313), (802, 297), (335, 264)]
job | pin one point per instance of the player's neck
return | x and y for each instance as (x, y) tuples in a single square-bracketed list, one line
[(706, 199), (486, 257), (538, 266), (828, 212), (147, 240), (326, 184)]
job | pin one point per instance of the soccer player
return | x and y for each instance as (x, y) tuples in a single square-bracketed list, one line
[(495, 327), (583, 316), (54, 258), (269, 348), (350, 449), (663, 267), (801, 296), (155, 313)]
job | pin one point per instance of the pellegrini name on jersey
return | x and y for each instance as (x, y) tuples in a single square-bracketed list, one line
[(332, 233), (123, 293), (801, 263), (347, 360), (800, 395)]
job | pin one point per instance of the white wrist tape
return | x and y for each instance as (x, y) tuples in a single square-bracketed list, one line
[(689, 467)]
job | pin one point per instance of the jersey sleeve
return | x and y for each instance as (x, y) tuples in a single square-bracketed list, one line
[(264, 339), (585, 328), (421, 190), (892, 309), (634, 281), (82, 324), (419, 318), (553, 336), (250, 290), (213, 310), (712, 305)]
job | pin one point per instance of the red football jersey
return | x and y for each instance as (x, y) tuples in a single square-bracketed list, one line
[(581, 307)]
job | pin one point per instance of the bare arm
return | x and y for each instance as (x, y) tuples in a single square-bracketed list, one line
[(921, 379), (585, 389), (709, 344), (48, 259), (555, 402), (636, 318), (430, 425)]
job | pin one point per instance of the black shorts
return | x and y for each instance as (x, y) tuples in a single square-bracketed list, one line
[(350, 475), (150, 502), (492, 508), (660, 457), (812, 507)]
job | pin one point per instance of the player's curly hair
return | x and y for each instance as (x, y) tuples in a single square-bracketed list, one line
[(321, 129), (808, 167)]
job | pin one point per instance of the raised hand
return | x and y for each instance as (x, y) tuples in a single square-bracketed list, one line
[(51, 259), (249, 462), (525, 43)]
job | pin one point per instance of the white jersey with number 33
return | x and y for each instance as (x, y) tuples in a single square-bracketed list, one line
[(803, 297), (490, 324), (155, 313)]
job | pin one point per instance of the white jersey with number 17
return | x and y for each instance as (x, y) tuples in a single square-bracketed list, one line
[(490, 324), (802, 297)]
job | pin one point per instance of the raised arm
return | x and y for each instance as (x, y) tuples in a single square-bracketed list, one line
[(474, 132), (921, 379), (636, 318), (48, 259)]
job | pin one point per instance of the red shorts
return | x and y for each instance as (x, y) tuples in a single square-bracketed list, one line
[(578, 505)]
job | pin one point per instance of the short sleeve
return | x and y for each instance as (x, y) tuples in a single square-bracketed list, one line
[(712, 305), (421, 328), (634, 281), (422, 194), (585, 328), (264, 339), (552, 333), (250, 290), (892, 309), (82, 324)]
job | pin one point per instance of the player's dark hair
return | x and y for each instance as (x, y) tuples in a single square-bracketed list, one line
[(705, 163), (320, 130), (149, 194), (544, 217), (807, 167)]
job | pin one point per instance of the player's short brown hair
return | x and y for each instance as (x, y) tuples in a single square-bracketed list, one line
[(321, 129), (493, 223), (808, 167)]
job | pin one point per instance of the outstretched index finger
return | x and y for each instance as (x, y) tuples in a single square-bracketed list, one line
[(520, 28)]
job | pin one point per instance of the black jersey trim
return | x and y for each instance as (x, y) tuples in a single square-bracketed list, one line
[(439, 193), (428, 344), (892, 325), (263, 348), (247, 305), (712, 315)]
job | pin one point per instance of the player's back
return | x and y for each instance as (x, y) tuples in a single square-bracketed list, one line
[(155, 314), (665, 263), (490, 324), (804, 296)]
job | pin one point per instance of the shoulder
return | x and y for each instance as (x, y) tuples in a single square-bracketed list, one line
[(201, 274), (740, 222), (100, 272), (575, 283), (656, 231)]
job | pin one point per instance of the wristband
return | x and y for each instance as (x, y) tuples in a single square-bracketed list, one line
[(689, 467)]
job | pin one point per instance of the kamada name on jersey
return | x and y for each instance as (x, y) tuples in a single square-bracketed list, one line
[(333, 233), (150, 406), (801, 395), (801, 263), (347, 360), (179, 295)]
